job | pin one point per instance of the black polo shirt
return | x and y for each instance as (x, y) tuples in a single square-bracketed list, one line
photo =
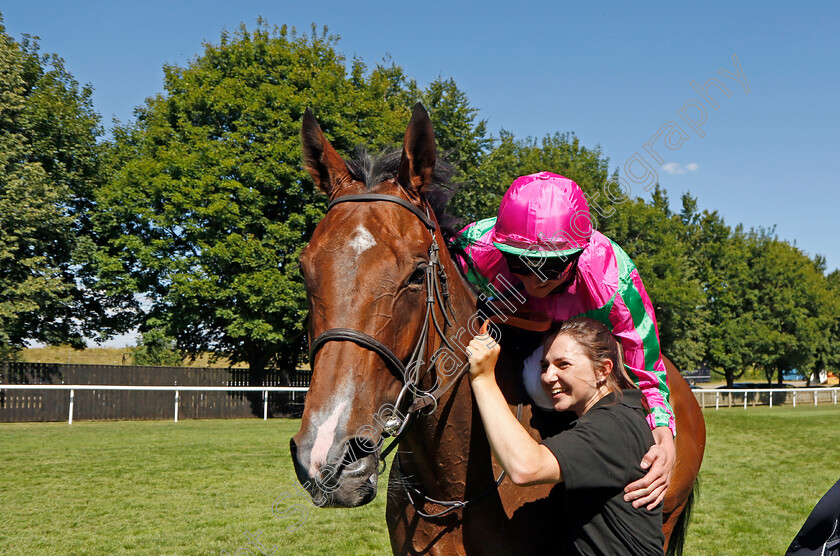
[(599, 456)]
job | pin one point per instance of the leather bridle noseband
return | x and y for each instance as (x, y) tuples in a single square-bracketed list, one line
[(437, 292)]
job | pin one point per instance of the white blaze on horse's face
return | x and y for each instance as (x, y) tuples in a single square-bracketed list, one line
[(361, 240), (327, 422), (324, 440)]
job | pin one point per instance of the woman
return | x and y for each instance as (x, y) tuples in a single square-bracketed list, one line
[(543, 242), (596, 457)]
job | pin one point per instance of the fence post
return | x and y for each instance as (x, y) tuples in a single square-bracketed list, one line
[(730, 399), (834, 395), (265, 405), (815, 397), (70, 417), (176, 406), (746, 394), (717, 400), (794, 398), (771, 398)]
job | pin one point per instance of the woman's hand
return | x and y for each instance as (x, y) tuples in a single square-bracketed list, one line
[(659, 461), (483, 352)]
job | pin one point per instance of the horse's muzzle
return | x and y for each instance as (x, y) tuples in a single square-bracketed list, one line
[(348, 480)]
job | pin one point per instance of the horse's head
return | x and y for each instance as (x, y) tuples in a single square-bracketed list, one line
[(366, 272)]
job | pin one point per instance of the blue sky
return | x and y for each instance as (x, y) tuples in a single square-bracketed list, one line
[(613, 73)]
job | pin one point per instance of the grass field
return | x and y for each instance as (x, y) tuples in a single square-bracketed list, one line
[(199, 487)]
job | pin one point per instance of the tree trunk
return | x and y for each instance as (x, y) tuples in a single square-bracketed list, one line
[(256, 371)]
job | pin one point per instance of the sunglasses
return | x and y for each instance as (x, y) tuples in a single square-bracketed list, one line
[(552, 268)]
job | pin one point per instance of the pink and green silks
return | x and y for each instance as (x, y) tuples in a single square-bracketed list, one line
[(607, 288)]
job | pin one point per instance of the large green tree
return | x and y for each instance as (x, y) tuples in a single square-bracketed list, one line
[(769, 306), (829, 349), (721, 259), (795, 309), (49, 168), (209, 206)]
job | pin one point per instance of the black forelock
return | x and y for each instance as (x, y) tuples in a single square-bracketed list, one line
[(373, 169)]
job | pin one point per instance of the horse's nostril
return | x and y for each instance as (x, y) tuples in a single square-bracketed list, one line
[(358, 448)]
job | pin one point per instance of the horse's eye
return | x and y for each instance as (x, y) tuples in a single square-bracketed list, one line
[(418, 276)]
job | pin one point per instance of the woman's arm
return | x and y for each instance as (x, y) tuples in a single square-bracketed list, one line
[(525, 461), (659, 461)]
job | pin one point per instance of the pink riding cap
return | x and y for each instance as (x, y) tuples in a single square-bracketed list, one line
[(544, 215)]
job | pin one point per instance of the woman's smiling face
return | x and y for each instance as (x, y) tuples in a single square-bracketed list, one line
[(570, 377)]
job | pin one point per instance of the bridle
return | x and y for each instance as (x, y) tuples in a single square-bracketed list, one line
[(437, 292)]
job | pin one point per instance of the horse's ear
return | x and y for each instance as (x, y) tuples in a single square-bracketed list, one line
[(418, 156), (326, 167)]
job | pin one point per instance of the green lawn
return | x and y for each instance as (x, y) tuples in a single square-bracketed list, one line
[(199, 487), (764, 470)]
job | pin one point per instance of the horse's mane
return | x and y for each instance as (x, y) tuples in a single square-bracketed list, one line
[(372, 169)]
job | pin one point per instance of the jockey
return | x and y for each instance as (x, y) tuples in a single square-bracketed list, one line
[(543, 242)]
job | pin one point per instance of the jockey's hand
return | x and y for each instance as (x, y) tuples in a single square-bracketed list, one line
[(659, 461), (483, 352)]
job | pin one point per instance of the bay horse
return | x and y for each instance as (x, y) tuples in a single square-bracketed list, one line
[(386, 300)]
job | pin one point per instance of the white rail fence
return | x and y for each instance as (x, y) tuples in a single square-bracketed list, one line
[(177, 389), (731, 397)]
